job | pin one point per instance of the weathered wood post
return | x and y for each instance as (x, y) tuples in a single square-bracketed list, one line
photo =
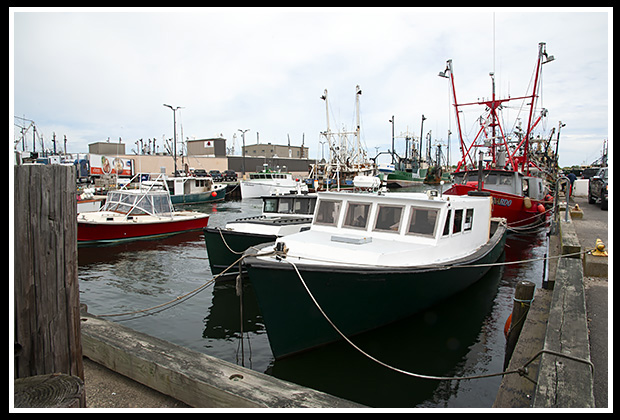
[(524, 293), (46, 294)]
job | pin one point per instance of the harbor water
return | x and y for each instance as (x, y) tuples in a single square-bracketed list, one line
[(462, 336)]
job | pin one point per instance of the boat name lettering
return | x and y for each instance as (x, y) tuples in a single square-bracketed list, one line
[(502, 202)]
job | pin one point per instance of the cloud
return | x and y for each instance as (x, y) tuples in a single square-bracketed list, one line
[(94, 75)]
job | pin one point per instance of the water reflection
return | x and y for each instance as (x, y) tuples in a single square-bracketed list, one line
[(434, 342), (461, 336)]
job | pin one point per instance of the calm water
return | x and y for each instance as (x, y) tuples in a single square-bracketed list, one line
[(463, 336)]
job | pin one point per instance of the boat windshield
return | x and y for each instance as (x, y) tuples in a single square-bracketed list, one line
[(129, 202), (289, 205)]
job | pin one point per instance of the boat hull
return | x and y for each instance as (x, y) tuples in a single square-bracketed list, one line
[(224, 247), (203, 197), (101, 232), (355, 299), (511, 207)]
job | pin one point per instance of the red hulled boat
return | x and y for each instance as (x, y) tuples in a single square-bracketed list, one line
[(142, 213), (502, 166)]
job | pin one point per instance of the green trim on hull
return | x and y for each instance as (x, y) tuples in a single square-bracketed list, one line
[(198, 197), (220, 257)]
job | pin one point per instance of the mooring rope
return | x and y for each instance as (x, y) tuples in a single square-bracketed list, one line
[(523, 371), (169, 304), (282, 256)]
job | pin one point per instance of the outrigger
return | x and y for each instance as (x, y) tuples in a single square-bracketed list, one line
[(508, 174)]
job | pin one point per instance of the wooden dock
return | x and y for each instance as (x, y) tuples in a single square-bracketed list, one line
[(52, 336), (197, 379)]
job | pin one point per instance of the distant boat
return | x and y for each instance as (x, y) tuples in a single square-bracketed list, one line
[(346, 156), (195, 189), (283, 214), (268, 182), (370, 259), (145, 212)]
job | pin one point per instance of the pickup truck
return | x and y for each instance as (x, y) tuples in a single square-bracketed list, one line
[(597, 188)]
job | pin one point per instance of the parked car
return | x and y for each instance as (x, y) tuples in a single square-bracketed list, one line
[(597, 188), (230, 175), (200, 173), (216, 175)]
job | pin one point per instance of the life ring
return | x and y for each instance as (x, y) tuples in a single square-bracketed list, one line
[(507, 326)]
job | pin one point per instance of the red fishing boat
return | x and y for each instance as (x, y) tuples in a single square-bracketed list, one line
[(144, 212), (497, 162)]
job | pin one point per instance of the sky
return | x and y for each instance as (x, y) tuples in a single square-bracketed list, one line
[(98, 74)]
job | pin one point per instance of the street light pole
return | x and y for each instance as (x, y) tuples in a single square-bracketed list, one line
[(174, 118), (421, 135), (243, 150), (392, 121)]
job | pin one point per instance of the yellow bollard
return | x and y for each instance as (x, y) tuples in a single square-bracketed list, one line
[(599, 249)]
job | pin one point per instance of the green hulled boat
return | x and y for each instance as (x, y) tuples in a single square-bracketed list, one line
[(369, 260)]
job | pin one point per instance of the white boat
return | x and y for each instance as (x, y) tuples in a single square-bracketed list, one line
[(368, 260), (268, 182)]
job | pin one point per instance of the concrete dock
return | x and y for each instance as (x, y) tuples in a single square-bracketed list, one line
[(571, 319)]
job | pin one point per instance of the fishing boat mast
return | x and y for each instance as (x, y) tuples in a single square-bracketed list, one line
[(518, 159)]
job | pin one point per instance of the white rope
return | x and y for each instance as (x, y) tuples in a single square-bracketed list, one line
[(521, 371), (374, 359)]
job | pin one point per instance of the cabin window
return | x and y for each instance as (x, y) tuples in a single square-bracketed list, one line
[(446, 226), (285, 205), (357, 215), (328, 212), (270, 205), (525, 183), (469, 219), (458, 221), (304, 206), (422, 221), (161, 204), (491, 179), (505, 179), (388, 218)]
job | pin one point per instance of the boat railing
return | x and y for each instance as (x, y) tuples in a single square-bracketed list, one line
[(146, 184)]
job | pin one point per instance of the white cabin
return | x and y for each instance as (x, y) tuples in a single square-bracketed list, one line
[(393, 229)]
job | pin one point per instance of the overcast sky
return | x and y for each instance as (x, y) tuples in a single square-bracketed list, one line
[(94, 75)]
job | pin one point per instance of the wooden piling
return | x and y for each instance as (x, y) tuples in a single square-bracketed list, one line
[(524, 293), (46, 294)]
